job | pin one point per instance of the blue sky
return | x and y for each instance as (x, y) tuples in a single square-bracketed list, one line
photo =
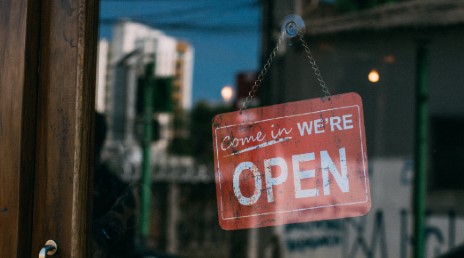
[(225, 35)]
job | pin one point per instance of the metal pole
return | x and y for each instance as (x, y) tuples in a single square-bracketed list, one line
[(421, 149), (149, 84)]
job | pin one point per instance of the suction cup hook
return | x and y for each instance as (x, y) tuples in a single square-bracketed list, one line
[(291, 25)]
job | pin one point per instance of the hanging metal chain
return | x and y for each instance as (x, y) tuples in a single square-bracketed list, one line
[(312, 61), (267, 66), (261, 75)]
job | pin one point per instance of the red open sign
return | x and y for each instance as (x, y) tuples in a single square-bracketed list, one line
[(294, 162)]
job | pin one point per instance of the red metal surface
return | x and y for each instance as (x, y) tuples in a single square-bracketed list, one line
[(294, 162)]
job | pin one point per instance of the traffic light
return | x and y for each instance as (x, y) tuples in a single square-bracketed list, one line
[(159, 100), (162, 94)]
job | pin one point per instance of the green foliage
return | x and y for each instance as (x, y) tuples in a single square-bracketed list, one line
[(199, 142), (200, 130)]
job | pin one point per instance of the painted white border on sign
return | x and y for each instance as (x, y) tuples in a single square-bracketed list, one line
[(302, 209)]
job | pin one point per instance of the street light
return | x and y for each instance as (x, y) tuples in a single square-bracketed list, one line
[(373, 76), (227, 93)]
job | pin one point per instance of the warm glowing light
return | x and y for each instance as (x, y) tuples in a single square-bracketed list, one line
[(373, 76), (227, 92)]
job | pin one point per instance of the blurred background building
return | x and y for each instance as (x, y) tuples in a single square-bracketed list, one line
[(179, 184), (121, 63)]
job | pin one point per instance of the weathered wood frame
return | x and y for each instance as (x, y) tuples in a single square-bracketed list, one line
[(47, 79)]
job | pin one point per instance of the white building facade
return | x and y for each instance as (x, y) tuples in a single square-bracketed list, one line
[(120, 63)]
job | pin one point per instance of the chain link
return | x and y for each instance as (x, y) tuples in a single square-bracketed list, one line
[(312, 61), (261, 75), (267, 66)]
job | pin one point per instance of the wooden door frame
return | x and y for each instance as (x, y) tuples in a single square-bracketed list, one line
[(19, 50), (47, 94)]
